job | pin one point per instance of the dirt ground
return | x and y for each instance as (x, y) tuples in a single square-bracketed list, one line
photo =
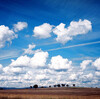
[(51, 93)]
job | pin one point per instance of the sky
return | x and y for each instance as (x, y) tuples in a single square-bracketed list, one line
[(49, 42)]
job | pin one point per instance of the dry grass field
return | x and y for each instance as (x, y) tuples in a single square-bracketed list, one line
[(51, 93)]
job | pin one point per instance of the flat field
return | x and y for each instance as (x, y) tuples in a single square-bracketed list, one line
[(51, 93)]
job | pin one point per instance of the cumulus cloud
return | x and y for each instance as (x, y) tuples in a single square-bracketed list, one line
[(6, 35), (58, 62), (96, 63), (11, 70), (87, 79), (75, 28), (63, 34), (89, 76), (73, 77), (41, 76), (43, 31), (26, 71), (21, 61), (85, 63), (20, 26), (38, 60), (97, 73)]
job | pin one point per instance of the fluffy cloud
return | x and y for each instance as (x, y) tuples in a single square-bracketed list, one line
[(26, 71), (97, 73), (43, 31), (58, 62), (85, 78), (20, 26), (89, 76), (63, 34), (73, 77), (21, 61), (85, 63), (75, 28), (6, 35), (38, 60), (11, 70), (96, 63), (42, 76), (29, 50)]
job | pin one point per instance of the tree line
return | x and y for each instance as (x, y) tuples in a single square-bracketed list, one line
[(57, 85)]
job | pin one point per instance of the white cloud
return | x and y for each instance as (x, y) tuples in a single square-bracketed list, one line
[(89, 76), (38, 60), (43, 31), (6, 35), (86, 77), (42, 76), (11, 70), (21, 61), (97, 73), (96, 63), (58, 62), (20, 26), (29, 50), (75, 28), (26, 71), (0, 66), (73, 77), (85, 63)]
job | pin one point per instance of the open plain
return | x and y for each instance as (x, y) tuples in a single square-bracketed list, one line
[(51, 93)]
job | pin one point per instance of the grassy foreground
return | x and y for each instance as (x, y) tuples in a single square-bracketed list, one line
[(46, 97), (51, 93)]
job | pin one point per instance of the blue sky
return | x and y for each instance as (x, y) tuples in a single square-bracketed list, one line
[(29, 29)]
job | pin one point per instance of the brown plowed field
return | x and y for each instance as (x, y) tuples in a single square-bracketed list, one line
[(51, 93)]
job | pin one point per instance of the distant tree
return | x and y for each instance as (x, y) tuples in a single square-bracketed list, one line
[(58, 85), (63, 85), (49, 86), (1, 88), (55, 85), (35, 86), (30, 86), (73, 85), (42, 86), (67, 85)]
